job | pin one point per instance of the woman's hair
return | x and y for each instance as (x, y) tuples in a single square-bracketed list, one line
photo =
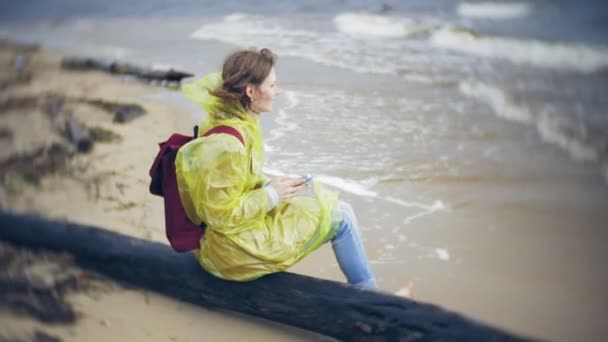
[(241, 68)]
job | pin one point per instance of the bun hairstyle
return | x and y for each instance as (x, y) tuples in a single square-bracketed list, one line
[(241, 68)]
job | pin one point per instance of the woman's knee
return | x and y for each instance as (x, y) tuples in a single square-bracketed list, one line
[(348, 223), (348, 214)]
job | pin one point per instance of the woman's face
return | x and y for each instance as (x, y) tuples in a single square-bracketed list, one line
[(261, 96)]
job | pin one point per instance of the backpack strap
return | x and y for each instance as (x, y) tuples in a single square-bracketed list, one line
[(227, 130)]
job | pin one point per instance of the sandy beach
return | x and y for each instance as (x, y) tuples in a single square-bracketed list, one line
[(107, 187), (479, 177)]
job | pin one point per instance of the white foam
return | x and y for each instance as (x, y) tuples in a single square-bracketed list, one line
[(567, 56), (243, 29), (284, 124), (442, 254), (346, 185), (292, 99), (373, 25), (427, 210), (349, 47), (558, 130), (552, 128), (235, 17), (503, 105), (494, 10), (273, 172), (437, 204)]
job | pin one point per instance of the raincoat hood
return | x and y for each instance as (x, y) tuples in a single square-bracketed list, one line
[(198, 92)]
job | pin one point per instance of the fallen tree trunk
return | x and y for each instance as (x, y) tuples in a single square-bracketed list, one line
[(148, 74), (330, 308)]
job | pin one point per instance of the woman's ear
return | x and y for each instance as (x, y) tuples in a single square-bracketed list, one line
[(249, 90)]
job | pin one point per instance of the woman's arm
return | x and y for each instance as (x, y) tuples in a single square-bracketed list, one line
[(222, 195), (216, 174)]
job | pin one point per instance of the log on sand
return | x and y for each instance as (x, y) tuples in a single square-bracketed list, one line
[(148, 74), (329, 308)]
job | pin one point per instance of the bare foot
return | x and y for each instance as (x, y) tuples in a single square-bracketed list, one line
[(406, 290)]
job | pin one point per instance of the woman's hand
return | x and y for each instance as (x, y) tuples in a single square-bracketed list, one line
[(286, 187)]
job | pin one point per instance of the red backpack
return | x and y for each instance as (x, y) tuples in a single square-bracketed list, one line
[(182, 233)]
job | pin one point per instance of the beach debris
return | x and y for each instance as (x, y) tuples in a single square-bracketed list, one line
[(127, 113), (123, 112), (102, 135), (113, 67), (66, 124), (21, 102), (54, 105), (6, 134), (32, 166), (78, 134), (35, 283), (41, 336), (30, 336)]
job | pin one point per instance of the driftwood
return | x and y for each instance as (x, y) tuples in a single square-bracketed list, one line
[(330, 308), (35, 164), (78, 135), (123, 112), (65, 123), (148, 74), (35, 283)]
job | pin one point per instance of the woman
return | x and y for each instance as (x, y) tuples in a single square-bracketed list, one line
[(255, 226)]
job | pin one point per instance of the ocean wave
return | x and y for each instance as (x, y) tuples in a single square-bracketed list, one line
[(374, 25), (324, 48), (347, 48), (361, 189), (503, 105), (284, 124), (567, 134), (494, 10), (568, 56), (346, 185), (581, 141)]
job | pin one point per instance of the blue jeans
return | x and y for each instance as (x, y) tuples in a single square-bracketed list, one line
[(349, 251)]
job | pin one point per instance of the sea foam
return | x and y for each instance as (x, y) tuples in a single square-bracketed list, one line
[(567, 56), (568, 133), (500, 101), (494, 10), (564, 133), (374, 25)]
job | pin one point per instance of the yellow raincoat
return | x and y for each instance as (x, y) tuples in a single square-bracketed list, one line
[(220, 181)]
